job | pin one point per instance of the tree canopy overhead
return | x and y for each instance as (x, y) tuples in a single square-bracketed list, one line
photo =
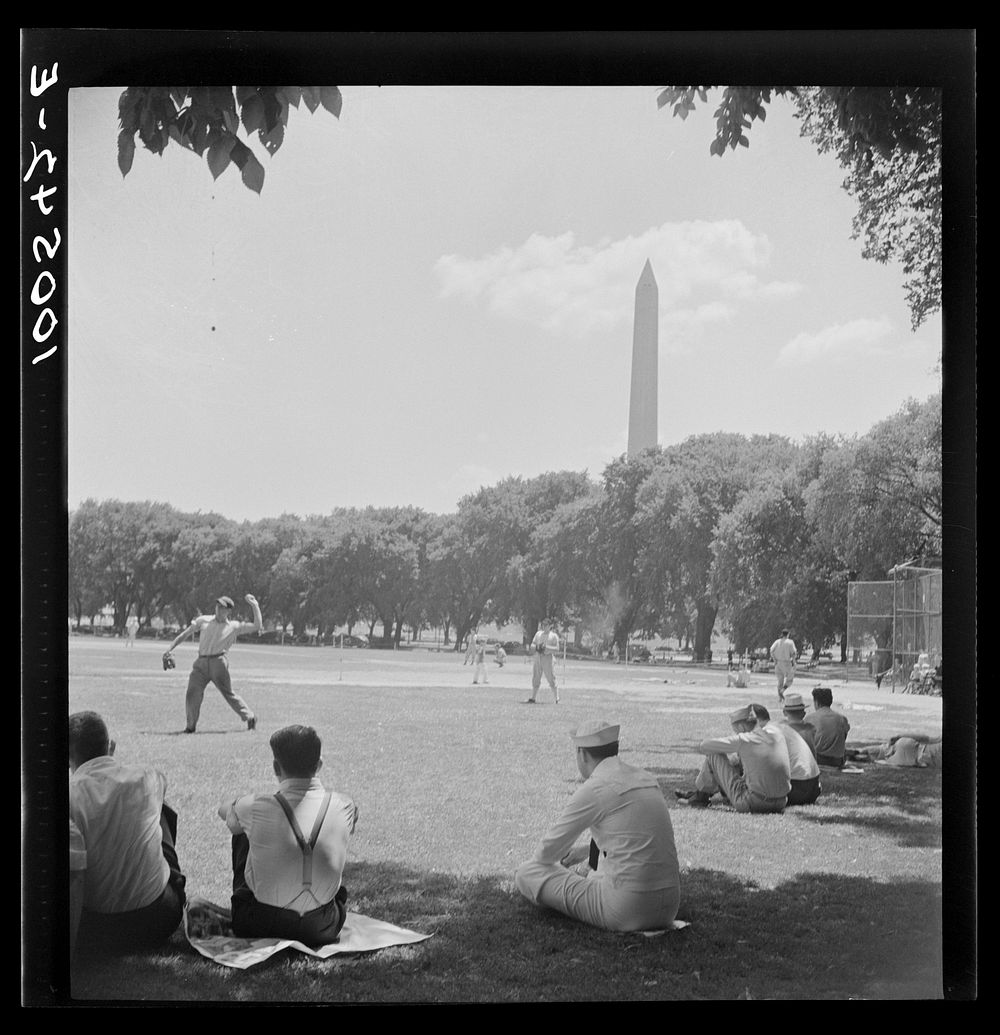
[(207, 120), (888, 139)]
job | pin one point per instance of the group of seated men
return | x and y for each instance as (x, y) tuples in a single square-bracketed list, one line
[(289, 849), (126, 886), (765, 766)]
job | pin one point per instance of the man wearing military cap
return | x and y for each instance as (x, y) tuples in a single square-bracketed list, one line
[(757, 779), (636, 885)]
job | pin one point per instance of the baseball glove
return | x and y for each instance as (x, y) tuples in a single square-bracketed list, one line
[(540, 649), (168, 663)]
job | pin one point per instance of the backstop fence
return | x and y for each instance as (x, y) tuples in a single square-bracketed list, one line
[(895, 625)]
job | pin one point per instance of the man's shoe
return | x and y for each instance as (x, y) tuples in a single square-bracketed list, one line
[(187, 729), (252, 723), (699, 801), (684, 795), (530, 700)]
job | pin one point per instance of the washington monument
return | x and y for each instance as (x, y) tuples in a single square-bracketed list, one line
[(642, 400)]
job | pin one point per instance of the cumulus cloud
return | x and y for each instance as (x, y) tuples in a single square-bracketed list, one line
[(556, 283), (845, 342)]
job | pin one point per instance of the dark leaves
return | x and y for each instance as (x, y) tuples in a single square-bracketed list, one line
[(331, 99), (207, 119), (219, 155), (126, 150)]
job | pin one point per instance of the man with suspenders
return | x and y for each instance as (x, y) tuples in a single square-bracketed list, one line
[(289, 848)]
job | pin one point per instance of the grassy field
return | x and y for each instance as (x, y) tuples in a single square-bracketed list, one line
[(456, 784)]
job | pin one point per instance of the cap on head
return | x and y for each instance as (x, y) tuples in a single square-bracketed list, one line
[(595, 734), (794, 703), (226, 602), (745, 714)]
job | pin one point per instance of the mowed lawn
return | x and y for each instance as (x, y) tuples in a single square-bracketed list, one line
[(456, 785)]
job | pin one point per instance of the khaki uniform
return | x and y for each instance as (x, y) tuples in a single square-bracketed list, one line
[(637, 883), (759, 781)]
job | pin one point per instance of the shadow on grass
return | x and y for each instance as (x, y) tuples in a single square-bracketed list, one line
[(814, 937), (903, 803)]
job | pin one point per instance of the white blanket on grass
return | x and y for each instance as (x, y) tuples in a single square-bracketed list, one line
[(208, 928)]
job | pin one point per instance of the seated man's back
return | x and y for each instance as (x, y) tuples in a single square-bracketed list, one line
[(127, 886), (274, 859), (289, 849), (117, 808)]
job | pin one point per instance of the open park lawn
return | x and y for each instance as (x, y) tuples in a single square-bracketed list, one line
[(456, 785)]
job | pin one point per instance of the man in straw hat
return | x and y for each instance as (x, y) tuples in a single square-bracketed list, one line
[(794, 710), (757, 779), (636, 885), (803, 771)]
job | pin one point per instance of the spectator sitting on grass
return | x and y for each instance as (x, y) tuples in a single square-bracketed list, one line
[(636, 884), (803, 771), (830, 729), (756, 779), (794, 710), (126, 887), (285, 885)]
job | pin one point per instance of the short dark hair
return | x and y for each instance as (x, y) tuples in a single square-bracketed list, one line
[(761, 712), (297, 750), (603, 750), (88, 737), (784, 632), (823, 696)]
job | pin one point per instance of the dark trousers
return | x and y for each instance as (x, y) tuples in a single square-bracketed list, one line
[(140, 929), (253, 919), (804, 792), (830, 760)]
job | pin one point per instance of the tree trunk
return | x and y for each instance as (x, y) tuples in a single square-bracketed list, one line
[(704, 624), (621, 634)]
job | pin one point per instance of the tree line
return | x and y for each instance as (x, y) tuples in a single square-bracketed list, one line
[(751, 532)]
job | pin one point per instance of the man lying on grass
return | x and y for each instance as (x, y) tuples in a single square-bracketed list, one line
[(757, 780), (126, 885), (904, 750), (287, 884), (636, 884)]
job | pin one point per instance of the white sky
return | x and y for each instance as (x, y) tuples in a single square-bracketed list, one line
[(436, 290)]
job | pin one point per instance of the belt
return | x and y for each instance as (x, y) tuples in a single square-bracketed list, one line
[(222, 655), (767, 800)]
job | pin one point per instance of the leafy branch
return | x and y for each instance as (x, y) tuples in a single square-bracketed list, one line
[(207, 120)]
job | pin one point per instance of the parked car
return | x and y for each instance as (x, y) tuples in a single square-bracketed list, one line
[(639, 652), (350, 641)]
